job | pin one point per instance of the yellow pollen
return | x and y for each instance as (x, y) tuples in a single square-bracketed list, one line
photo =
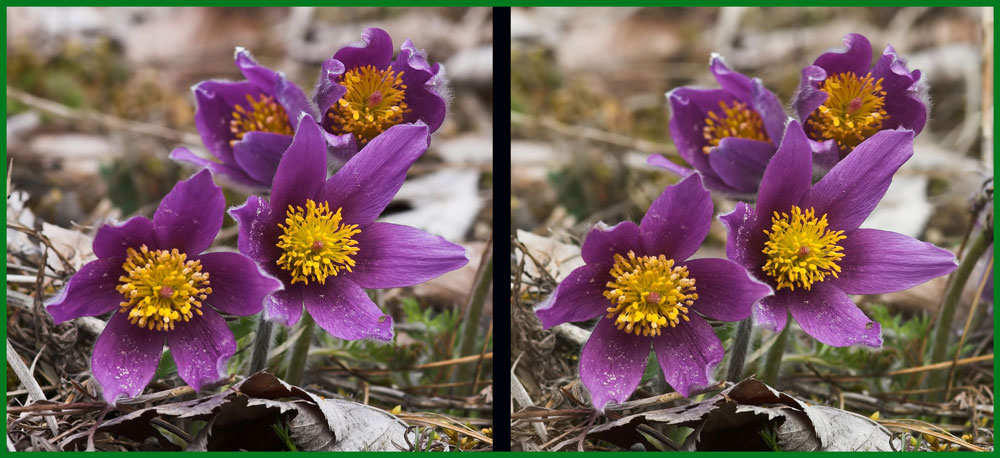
[(372, 104), (648, 294), (801, 250), (853, 110), (265, 115), (316, 243), (736, 121), (162, 287)]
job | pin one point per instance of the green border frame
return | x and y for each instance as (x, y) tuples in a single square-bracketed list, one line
[(498, 140)]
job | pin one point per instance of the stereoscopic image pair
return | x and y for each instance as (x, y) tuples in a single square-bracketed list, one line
[(272, 229)]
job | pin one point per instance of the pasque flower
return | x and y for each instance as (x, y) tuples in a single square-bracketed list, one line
[(318, 235), (804, 239), (246, 125), (726, 134), (159, 286), (362, 91), (639, 280), (843, 100)]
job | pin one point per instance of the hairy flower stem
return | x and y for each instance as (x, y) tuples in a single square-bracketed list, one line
[(947, 311), (777, 351), (738, 353), (473, 312), (261, 345), (300, 351)]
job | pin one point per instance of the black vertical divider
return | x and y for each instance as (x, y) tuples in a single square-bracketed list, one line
[(501, 225)]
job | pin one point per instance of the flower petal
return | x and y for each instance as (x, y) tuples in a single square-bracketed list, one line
[(328, 90), (767, 105), (341, 147), (677, 222), (788, 174), (258, 154), (190, 215), (808, 97), (287, 93), (735, 83), (345, 311), (238, 286), (877, 262), (612, 363), (284, 306), (744, 238), (856, 57), (375, 49), (258, 236), (852, 189), (579, 297), (828, 314), (740, 162), (369, 181), (394, 256), (906, 99), (689, 107), (659, 161), (125, 358), (771, 312), (426, 86), (687, 354), (214, 102), (89, 292), (603, 243), (302, 168), (725, 290), (201, 347), (230, 171), (113, 240)]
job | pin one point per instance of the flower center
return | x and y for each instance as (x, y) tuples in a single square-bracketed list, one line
[(737, 120), (372, 104), (853, 110), (316, 243), (648, 293), (264, 115), (801, 250), (162, 287)]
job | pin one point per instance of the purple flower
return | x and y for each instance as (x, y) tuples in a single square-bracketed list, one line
[(246, 125), (155, 278), (842, 100), (640, 280), (362, 91), (318, 235), (726, 134), (803, 239)]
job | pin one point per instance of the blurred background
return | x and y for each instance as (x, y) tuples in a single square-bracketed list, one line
[(588, 107), (98, 97)]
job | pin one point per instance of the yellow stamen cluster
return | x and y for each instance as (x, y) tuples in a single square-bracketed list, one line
[(264, 115), (801, 250), (648, 294), (316, 243), (853, 110), (372, 104), (162, 287), (737, 120)]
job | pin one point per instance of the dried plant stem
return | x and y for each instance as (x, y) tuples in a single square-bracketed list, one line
[(947, 312), (738, 353), (473, 312), (300, 352), (772, 364), (261, 345), (987, 274)]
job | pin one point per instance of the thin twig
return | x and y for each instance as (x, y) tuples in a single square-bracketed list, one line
[(968, 324), (105, 120), (24, 374)]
